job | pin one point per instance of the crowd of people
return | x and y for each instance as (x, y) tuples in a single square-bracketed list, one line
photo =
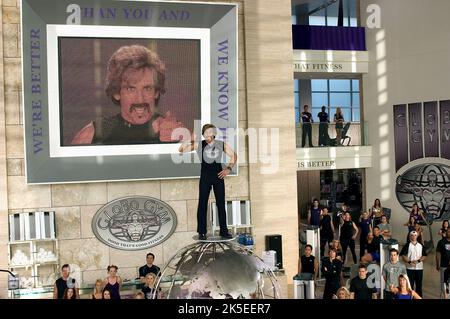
[(402, 272), (66, 287)]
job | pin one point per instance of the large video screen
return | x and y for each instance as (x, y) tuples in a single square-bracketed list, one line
[(102, 103), (108, 85)]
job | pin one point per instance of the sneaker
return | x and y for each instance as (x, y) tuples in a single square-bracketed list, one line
[(202, 236), (226, 235)]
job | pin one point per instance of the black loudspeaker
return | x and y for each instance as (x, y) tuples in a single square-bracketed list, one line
[(273, 242)]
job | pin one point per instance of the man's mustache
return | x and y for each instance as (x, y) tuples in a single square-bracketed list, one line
[(139, 105)]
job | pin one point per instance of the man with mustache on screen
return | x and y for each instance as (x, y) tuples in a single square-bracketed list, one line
[(135, 81)]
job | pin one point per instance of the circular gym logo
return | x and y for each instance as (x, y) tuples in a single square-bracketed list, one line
[(429, 186), (134, 223)]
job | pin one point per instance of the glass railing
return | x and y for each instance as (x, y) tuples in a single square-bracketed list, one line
[(351, 134)]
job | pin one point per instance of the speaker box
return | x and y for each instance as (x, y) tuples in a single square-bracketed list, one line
[(273, 242)]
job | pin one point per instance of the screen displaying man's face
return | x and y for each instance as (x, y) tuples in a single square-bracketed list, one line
[(137, 95)]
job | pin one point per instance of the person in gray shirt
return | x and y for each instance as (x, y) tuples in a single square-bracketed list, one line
[(385, 228), (391, 271)]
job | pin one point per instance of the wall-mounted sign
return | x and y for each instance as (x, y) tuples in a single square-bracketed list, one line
[(330, 61), (317, 164), (422, 132), (134, 223)]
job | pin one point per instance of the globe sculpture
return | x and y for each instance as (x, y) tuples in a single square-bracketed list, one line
[(217, 270), (429, 186)]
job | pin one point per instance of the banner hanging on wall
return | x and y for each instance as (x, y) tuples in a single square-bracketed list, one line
[(422, 157), (111, 88)]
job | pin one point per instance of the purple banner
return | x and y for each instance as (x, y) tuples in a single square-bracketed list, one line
[(445, 129), (431, 130), (400, 136), (308, 37), (415, 131)]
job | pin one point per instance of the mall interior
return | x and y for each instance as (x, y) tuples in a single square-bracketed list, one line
[(383, 64)]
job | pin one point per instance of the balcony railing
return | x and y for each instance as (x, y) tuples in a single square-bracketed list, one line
[(352, 134)]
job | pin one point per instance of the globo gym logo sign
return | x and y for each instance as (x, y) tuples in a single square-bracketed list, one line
[(134, 223), (422, 130)]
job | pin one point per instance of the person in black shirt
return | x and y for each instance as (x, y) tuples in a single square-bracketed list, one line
[(323, 127), (308, 265), (443, 259), (306, 126), (212, 174), (61, 284), (331, 269), (347, 237), (148, 268), (373, 246), (359, 288), (326, 230)]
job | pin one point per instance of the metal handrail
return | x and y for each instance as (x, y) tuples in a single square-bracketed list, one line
[(9, 272)]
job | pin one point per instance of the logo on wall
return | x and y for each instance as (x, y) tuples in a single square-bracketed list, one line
[(423, 132), (134, 223)]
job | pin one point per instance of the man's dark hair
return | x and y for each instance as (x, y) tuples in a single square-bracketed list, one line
[(65, 266), (150, 254), (377, 227), (362, 266), (308, 245), (207, 126), (305, 106), (134, 57), (393, 250), (324, 108)]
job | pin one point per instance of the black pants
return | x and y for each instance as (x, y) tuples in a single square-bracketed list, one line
[(208, 180), (323, 243), (331, 287), (362, 245), (388, 295), (323, 134), (306, 130), (345, 243), (415, 279)]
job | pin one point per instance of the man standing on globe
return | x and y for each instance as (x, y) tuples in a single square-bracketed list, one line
[(212, 175)]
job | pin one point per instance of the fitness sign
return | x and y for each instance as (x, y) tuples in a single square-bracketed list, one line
[(134, 223)]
